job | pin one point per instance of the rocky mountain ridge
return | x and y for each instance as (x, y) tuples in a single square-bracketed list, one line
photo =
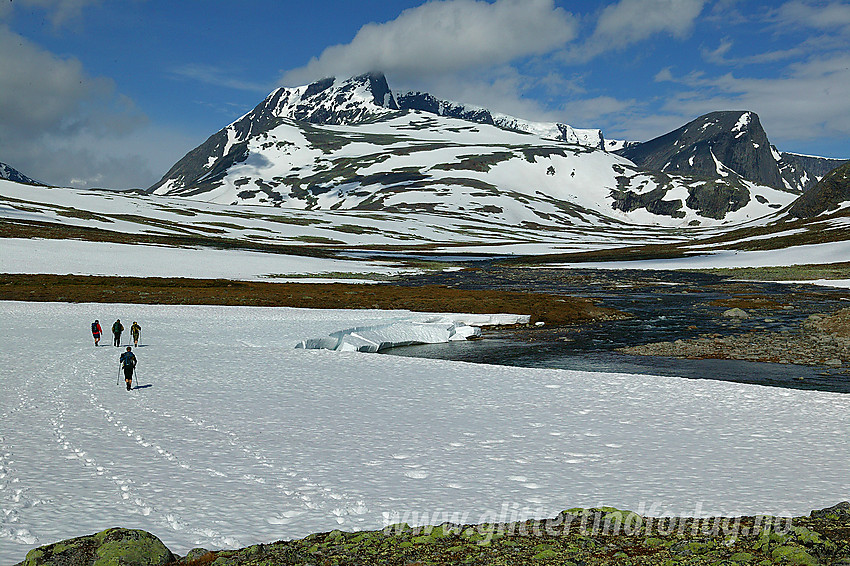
[(425, 102), (11, 174)]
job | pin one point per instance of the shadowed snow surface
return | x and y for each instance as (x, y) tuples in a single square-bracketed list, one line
[(236, 437)]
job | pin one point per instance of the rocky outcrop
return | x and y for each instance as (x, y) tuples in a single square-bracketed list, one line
[(830, 193), (424, 102), (112, 547)]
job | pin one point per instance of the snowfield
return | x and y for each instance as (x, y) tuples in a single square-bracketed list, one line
[(75, 257), (235, 437)]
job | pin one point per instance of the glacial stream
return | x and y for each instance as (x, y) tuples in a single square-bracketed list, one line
[(664, 305)]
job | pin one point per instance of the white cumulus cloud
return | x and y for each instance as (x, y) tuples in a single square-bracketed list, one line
[(630, 21), (446, 36)]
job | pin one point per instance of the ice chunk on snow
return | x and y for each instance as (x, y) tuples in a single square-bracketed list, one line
[(383, 336), (433, 330)]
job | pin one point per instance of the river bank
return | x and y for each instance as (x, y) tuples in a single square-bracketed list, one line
[(821, 340), (667, 311)]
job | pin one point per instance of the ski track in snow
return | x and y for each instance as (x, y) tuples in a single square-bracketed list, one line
[(235, 437)]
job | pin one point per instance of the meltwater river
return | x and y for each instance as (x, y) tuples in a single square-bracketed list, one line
[(665, 306)]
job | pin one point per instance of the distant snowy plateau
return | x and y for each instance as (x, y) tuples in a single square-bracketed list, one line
[(235, 437)]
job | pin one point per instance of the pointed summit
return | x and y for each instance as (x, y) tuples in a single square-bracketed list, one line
[(717, 144)]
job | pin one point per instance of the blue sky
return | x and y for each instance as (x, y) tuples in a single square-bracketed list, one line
[(112, 93)]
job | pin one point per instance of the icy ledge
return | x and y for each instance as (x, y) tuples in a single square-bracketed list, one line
[(432, 330)]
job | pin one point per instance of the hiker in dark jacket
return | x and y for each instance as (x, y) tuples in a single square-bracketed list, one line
[(117, 329), (128, 364), (96, 331), (135, 329)]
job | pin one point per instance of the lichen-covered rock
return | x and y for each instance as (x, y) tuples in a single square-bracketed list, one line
[(112, 547), (195, 554), (840, 512)]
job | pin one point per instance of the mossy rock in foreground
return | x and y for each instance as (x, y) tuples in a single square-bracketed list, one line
[(588, 537), (112, 547)]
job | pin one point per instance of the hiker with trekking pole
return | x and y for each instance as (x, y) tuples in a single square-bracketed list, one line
[(127, 364)]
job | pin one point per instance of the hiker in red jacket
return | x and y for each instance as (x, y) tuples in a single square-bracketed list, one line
[(96, 331)]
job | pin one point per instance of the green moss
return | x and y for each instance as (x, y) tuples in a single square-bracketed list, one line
[(548, 554), (807, 536), (793, 555), (145, 550), (741, 557), (396, 528), (33, 556)]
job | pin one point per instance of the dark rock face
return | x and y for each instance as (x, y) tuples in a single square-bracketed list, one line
[(714, 201), (840, 512), (826, 195), (734, 139), (805, 169), (125, 547), (425, 102), (12, 174), (653, 201)]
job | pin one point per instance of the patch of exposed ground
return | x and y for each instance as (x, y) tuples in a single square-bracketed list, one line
[(822, 340), (806, 272), (548, 308)]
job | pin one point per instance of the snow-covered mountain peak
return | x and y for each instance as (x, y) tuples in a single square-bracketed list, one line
[(333, 101)]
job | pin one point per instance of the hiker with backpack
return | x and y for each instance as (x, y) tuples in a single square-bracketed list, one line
[(128, 364), (135, 330), (96, 331), (117, 329)]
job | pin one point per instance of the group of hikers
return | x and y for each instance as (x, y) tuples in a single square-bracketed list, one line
[(127, 360), (117, 330)]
